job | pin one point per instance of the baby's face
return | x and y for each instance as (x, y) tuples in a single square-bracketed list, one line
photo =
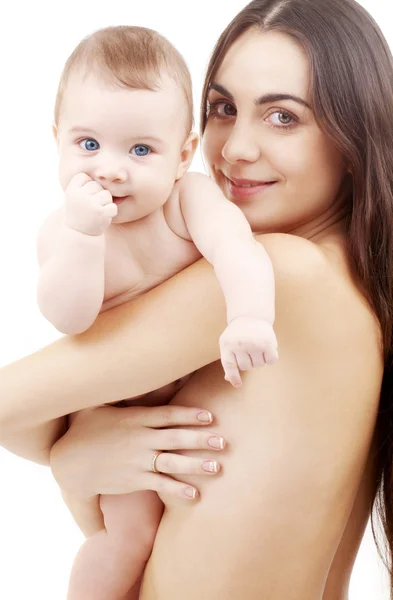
[(129, 141)]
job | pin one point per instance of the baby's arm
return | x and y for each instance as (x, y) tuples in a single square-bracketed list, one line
[(71, 250), (243, 268)]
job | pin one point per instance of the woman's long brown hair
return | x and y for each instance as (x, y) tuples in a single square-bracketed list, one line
[(352, 99)]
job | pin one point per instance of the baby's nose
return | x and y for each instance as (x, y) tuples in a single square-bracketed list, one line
[(111, 171)]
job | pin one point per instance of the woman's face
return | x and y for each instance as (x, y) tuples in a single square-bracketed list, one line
[(262, 144)]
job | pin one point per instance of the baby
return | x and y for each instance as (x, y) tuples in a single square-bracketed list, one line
[(132, 218)]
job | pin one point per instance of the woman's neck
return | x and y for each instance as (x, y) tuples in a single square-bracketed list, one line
[(332, 224)]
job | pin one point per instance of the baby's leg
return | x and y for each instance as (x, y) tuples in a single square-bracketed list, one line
[(135, 591), (112, 560)]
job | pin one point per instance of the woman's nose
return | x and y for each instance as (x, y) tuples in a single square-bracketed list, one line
[(241, 145)]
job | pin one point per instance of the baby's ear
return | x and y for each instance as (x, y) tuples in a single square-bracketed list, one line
[(187, 154), (55, 132)]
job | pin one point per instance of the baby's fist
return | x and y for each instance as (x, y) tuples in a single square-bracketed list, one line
[(247, 342), (88, 207)]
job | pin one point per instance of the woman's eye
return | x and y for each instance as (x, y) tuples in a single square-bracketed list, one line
[(141, 150), (89, 144), (221, 109), (282, 118)]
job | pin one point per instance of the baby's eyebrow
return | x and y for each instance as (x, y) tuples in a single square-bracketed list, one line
[(265, 99), (79, 129), (146, 138), (152, 139)]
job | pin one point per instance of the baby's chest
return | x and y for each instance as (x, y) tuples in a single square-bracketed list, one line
[(137, 259)]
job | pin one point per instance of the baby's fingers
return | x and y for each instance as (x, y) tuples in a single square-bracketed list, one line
[(104, 197), (78, 180), (230, 366), (257, 358), (243, 360), (110, 210), (271, 355)]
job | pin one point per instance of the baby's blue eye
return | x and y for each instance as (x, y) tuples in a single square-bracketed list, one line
[(90, 144), (141, 150)]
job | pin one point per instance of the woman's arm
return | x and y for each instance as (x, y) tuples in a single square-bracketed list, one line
[(134, 348), (34, 443), (130, 350)]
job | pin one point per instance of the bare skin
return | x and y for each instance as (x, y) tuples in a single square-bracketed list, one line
[(264, 534), (338, 580), (299, 434), (319, 435), (270, 525)]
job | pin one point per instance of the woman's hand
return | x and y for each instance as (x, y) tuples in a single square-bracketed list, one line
[(109, 450)]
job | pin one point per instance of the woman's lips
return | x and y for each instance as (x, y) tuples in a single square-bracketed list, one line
[(244, 189)]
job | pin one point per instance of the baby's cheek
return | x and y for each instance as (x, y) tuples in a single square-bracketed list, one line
[(63, 177), (67, 169)]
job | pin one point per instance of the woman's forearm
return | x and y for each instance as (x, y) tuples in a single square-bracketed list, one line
[(35, 443), (130, 350)]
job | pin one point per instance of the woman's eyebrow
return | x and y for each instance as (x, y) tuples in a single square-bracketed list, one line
[(221, 90), (265, 99), (269, 98)]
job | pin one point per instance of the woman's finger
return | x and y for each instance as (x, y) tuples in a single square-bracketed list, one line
[(167, 416), (166, 486), (185, 439), (176, 464)]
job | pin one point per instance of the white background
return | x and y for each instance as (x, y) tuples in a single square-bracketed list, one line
[(38, 538)]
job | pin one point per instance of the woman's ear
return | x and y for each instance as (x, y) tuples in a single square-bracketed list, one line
[(187, 154)]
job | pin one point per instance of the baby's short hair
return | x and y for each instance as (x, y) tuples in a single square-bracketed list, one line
[(134, 57)]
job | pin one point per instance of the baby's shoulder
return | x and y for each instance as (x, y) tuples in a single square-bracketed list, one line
[(173, 213), (193, 181)]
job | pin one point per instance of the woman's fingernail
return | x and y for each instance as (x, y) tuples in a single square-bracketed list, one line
[(205, 417), (216, 442), (211, 466), (190, 492)]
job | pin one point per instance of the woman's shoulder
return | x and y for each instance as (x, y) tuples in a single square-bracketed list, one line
[(315, 272), (318, 300)]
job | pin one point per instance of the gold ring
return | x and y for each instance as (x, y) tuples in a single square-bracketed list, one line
[(153, 462)]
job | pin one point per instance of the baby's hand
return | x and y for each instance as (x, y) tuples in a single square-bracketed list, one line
[(247, 342), (88, 207)]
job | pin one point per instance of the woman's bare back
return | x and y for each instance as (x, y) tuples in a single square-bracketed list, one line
[(339, 576), (299, 438)]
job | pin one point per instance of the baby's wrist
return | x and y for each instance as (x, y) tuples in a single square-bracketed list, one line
[(83, 232)]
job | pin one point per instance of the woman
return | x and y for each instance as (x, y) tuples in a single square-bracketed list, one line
[(296, 115)]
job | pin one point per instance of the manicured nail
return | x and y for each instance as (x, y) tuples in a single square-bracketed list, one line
[(211, 466), (190, 492), (216, 442), (205, 417)]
